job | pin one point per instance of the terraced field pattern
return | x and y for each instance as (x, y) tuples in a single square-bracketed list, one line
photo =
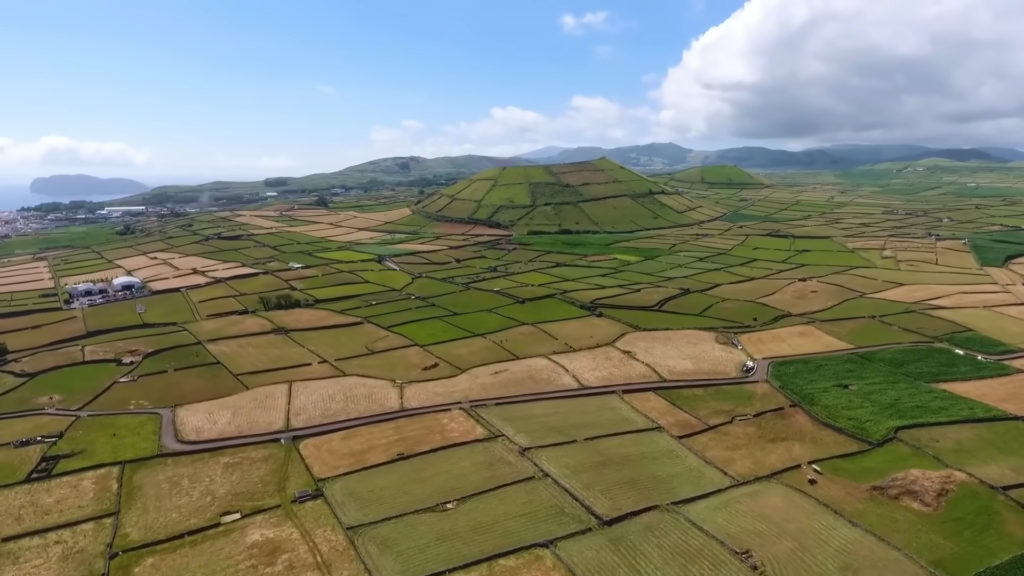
[(541, 370)]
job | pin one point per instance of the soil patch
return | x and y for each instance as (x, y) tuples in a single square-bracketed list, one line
[(925, 490)]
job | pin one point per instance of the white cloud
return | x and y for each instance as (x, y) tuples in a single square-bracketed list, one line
[(572, 24), (941, 71), (326, 89), (64, 151)]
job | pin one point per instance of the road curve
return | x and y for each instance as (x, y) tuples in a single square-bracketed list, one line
[(170, 442)]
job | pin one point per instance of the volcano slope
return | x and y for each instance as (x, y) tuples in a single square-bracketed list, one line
[(596, 196)]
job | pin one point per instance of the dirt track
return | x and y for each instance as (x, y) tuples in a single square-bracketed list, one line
[(170, 441)]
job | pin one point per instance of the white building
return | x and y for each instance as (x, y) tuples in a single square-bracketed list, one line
[(118, 210), (122, 283), (270, 193), (83, 289)]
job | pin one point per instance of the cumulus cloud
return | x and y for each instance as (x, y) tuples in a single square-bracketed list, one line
[(940, 71), (509, 130), (572, 24), (64, 151)]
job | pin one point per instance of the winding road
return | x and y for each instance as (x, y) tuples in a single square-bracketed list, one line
[(170, 442)]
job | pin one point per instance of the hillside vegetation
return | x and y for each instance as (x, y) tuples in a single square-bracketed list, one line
[(597, 196)]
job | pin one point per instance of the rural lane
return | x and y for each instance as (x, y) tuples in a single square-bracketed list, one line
[(169, 438)]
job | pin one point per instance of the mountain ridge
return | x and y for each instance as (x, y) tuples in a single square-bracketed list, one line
[(83, 185)]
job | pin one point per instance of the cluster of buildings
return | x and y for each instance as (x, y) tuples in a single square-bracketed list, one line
[(121, 284)]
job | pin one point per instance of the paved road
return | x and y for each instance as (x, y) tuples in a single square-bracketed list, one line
[(170, 441)]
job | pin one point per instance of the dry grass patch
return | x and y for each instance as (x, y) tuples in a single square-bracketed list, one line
[(45, 335), (513, 378), (684, 354), (672, 419), (411, 364), (80, 549), (109, 274), (167, 496), (751, 448), (137, 347), (858, 283), (58, 500), (1005, 393), (257, 353), (790, 341), (252, 412), (349, 450), (809, 296), (14, 323), (922, 292), (1003, 276), (526, 341), (751, 290), (37, 285), (27, 426), (988, 322), (301, 318), (975, 300), (605, 366), (350, 341), (588, 332), (335, 399), (179, 282), (955, 258), (265, 545), (470, 352)]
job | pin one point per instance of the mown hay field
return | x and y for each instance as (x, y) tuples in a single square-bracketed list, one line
[(444, 476), (59, 500), (505, 519), (987, 450), (792, 534), (78, 549), (620, 474), (350, 450), (545, 422), (258, 411)]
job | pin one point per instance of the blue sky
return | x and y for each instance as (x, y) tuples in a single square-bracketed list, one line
[(189, 90), (210, 87)]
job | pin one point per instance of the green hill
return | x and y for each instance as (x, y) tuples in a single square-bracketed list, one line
[(596, 196), (707, 177)]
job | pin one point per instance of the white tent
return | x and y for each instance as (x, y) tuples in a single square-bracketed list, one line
[(125, 283)]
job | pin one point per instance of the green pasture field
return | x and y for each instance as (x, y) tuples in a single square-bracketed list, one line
[(481, 322), (532, 424), (470, 352), (869, 399), (170, 495), (864, 307), (113, 315), (410, 364), (166, 309), (620, 474), (862, 332), (15, 323), (107, 439), (212, 308), (257, 353), (431, 331), (136, 347), (980, 343), (933, 364), (527, 341), (653, 320), (17, 463), (469, 301), (349, 341), (230, 326), (407, 316), (482, 526), (974, 528), (717, 404), (211, 292), (444, 476), (659, 543), (170, 389), (792, 534), (987, 450), (257, 284), (923, 324), (46, 360), (546, 310), (70, 387)]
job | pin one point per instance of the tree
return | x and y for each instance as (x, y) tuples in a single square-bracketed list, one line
[(322, 201)]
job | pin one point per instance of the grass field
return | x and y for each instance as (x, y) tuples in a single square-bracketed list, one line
[(933, 364), (58, 501), (539, 561), (498, 521), (70, 387), (977, 342), (752, 448), (350, 450), (445, 476), (106, 439), (658, 543), (170, 495), (619, 474), (959, 534), (79, 549), (531, 424), (869, 399), (170, 389), (258, 353), (986, 450), (792, 534), (716, 404)]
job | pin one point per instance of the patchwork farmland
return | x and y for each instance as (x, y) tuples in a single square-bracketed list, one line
[(567, 370)]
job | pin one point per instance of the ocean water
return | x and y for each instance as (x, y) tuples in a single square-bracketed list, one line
[(13, 197)]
